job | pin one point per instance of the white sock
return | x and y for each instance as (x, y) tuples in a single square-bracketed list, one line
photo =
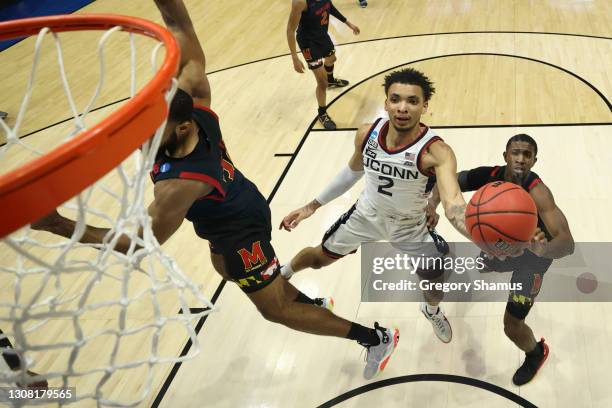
[(432, 310), (287, 270)]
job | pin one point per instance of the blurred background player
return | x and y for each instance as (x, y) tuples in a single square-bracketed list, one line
[(528, 268), (363, 3), (398, 157), (13, 361), (3, 115), (311, 20), (195, 179)]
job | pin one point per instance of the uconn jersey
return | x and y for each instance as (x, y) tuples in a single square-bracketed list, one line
[(392, 205), (396, 183)]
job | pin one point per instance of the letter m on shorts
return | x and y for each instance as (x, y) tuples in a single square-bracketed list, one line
[(253, 258)]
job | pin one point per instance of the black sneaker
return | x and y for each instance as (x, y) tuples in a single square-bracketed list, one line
[(327, 122), (532, 365), (363, 3), (337, 83), (3, 115)]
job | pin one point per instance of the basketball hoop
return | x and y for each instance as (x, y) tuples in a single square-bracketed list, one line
[(39, 271), (109, 142)]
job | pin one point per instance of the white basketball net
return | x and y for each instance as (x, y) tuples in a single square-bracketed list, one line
[(84, 315)]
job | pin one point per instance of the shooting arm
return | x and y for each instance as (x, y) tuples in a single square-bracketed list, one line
[(562, 242), (445, 166), (173, 198), (192, 75)]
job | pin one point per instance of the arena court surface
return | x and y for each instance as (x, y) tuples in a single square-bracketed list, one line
[(499, 68)]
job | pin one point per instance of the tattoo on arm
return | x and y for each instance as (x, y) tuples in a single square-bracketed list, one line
[(456, 215)]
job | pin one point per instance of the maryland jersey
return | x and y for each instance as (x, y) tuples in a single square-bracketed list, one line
[(235, 206), (314, 21), (396, 183), (473, 179)]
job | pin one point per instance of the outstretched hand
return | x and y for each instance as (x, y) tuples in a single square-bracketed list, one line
[(537, 245), (295, 217), (538, 242)]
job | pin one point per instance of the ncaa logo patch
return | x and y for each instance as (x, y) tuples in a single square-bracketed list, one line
[(164, 168)]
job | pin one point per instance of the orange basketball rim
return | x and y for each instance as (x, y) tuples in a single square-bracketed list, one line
[(37, 187)]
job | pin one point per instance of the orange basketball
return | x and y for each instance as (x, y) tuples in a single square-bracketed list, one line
[(500, 217)]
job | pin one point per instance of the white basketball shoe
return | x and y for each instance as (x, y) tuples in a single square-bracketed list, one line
[(440, 324), (378, 356)]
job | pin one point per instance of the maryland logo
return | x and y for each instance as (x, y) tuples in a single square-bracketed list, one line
[(254, 258), (269, 272), (228, 170)]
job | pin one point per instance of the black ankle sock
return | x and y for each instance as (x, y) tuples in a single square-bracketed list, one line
[(537, 351), (364, 335), (330, 72), (302, 298), (322, 110)]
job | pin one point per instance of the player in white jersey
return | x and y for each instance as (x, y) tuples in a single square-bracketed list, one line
[(398, 157)]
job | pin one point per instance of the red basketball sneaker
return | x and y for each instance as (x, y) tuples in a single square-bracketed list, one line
[(534, 360)]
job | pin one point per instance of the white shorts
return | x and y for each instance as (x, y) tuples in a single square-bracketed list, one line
[(362, 223)]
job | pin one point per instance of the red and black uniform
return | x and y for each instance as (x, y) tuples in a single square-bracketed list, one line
[(312, 36), (528, 269), (235, 218)]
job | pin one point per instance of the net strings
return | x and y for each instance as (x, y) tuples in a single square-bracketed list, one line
[(54, 265)]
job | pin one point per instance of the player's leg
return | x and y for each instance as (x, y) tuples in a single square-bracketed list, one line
[(421, 242), (332, 81), (279, 303), (313, 53), (341, 239), (254, 268), (218, 262), (321, 77), (309, 257), (328, 51), (518, 307), (515, 327), (431, 306), (216, 257)]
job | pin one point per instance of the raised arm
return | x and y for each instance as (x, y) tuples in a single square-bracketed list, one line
[(192, 75), (173, 198), (339, 185), (562, 242)]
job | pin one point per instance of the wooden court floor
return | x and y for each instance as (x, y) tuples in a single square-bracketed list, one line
[(499, 67)]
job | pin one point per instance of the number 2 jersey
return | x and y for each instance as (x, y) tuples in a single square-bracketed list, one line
[(395, 182), (234, 209)]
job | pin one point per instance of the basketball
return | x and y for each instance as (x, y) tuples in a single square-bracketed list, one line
[(501, 217)]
